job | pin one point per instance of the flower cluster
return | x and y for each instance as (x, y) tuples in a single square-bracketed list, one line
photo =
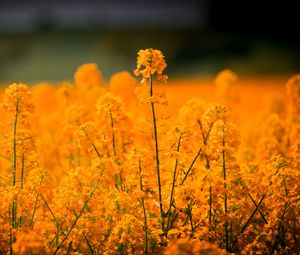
[(150, 62)]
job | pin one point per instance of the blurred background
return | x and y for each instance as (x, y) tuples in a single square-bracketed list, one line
[(48, 40)]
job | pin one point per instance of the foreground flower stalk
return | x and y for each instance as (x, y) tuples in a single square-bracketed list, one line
[(149, 63)]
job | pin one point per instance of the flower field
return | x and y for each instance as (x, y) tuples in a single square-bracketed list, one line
[(145, 166)]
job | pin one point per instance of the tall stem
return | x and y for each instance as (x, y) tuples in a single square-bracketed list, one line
[(78, 156), (225, 195), (156, 155), (10, 234), (14, 173), (23, 170), (197, 155), (144, 210), (76, 219), (210, 206), (169, 225), (113, 133), (208, 168), (94, 146), (15, 144)]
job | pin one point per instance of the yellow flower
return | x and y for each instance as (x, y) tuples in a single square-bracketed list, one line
[(88, 75), (18, 94), (149, 62)]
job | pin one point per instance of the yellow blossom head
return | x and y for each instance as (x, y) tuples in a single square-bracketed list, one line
[(149, 62), (18, 94), (226, 78), (88, 75), (123, 84)]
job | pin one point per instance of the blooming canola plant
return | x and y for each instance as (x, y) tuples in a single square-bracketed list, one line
[(93, 169)]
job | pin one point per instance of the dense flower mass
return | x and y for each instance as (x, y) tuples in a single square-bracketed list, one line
[(93, 169), (150, 62)]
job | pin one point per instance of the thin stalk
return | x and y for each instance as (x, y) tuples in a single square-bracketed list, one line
[(89, 245), (285, 186), (22, 170), (144, 210), (191, 166), (13, 223), (10, 235), (174, 218), (210, 206), (279, 166), (260, 212), (78, 156), (15, 144), (276, 242), (188, 216), (208, 168), (280, 237), (71, 156), (225, 195), (248, 221), (34, 209), (201, 130), (123, 249), (157, 156), (69, 248), (94, 146), (58, 226), (123, 145), (77, 218), (113, 133), (195, 158), (10, 242), (1, 156), (47, 205), (14, 213), (191, 222), (173, 188)]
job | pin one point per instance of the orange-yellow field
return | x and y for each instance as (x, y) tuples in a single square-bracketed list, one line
[(140, 167)]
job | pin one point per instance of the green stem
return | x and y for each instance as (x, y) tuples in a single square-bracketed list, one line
[(58, 226), (22, 170), (210, 206), (1, 156), (94, 146), (144, 210), (156, 155), (260, 212), (34, 209), (208, 168), (123, 145), (69, 248), (279, 166), (188, 216), (76, 219), (248, 221), (195, 158), (113, 133), (71, 156), (14, 212), (15, 144), (173, 188), (11, 238), (191, 166), (225, 195), (78, 156), (89, 244)]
